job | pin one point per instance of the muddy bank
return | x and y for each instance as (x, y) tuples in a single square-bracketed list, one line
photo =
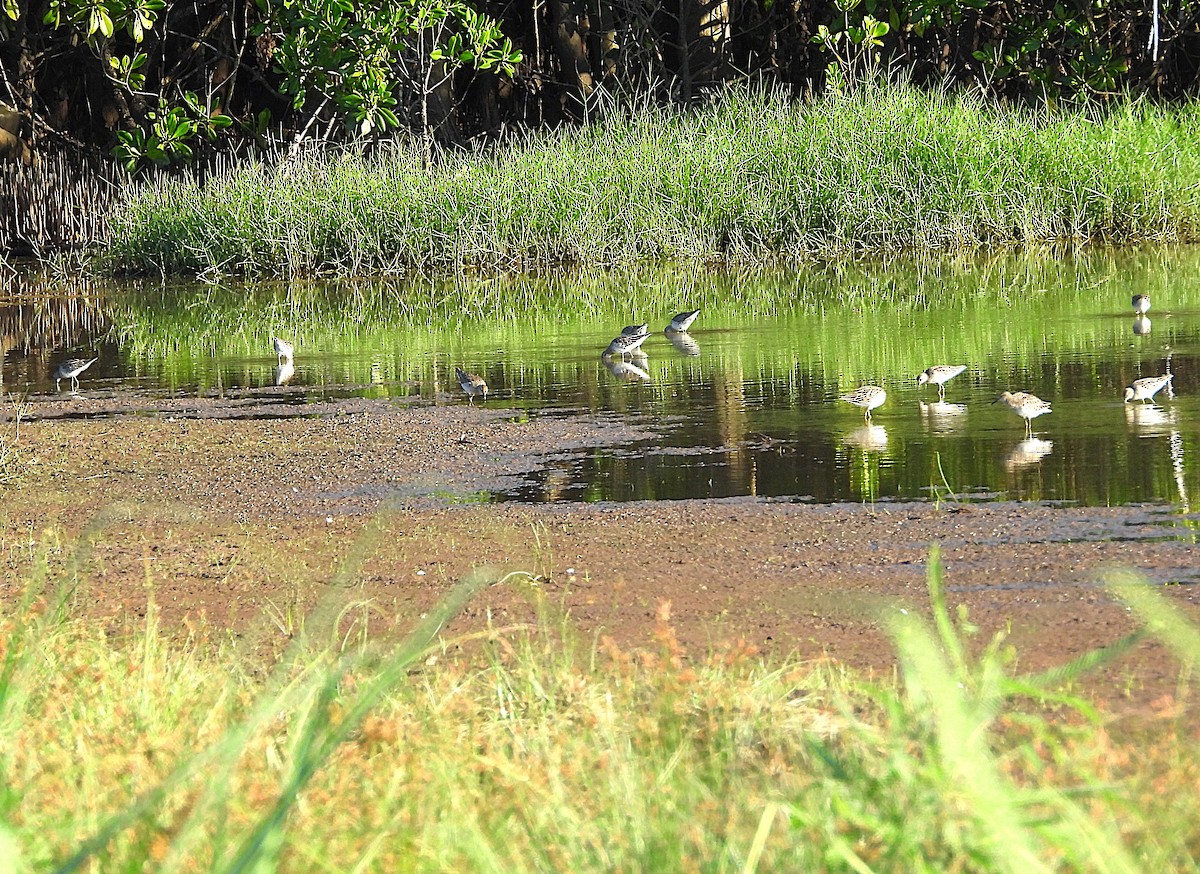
[(255, 522)]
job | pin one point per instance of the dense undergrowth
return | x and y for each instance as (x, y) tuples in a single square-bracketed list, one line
[(748, 178), (534, 750)]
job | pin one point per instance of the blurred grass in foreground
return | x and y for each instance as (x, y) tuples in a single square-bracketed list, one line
[(531, 750)]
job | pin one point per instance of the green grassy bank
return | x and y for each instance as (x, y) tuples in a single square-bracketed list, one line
[(144, 751), (746, 179)]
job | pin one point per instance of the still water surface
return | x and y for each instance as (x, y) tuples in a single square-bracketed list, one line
[(745, 404)]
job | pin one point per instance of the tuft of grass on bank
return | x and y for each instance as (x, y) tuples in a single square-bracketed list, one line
[(751, 177), (530, 751)]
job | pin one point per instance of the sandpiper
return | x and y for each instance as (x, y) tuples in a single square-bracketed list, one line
[(70, 369), (939, 375), (636, 330), (472, 384), (682, 321), (866, 396), (1146, 389), (283, 349), (1025, 405), (624, 344), (1141, 304)]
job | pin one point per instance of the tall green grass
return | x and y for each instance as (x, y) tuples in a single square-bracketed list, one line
[(750, 177), (534, 750)]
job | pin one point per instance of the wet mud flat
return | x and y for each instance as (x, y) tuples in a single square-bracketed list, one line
[(255, 521)]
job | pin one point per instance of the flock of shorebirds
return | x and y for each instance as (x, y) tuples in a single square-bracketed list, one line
[(1026, 405), (628, 344)]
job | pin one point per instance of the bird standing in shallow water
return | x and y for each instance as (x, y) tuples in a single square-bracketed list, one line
[(682, 322), (70, 369), (626, 344), (1146, 389), (1141, 304), (868, 397), (472, 384), (283, 349), (1025, 405), (939, 375)]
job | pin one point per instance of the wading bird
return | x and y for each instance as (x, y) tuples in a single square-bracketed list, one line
[(70, 369), (627, 344), (682, 322), (1025, 405), (1145, 389), (1141, 304), (472, 384), (866, 396), (939, 375)]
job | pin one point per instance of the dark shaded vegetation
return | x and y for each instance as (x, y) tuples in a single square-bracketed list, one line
[(165, 82)]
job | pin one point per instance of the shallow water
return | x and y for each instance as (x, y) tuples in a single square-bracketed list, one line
[(746, 404)]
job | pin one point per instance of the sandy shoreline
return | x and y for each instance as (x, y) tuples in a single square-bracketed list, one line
[(235, 518)]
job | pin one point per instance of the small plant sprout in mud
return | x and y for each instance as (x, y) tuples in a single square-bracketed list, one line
[(941, 487), (11, 463)]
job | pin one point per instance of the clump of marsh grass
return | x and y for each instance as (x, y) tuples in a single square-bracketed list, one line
[(751, 177), (534, 751)]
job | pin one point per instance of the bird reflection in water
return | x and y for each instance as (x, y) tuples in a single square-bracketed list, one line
[(625, 370), (1149, 420), (684, 343), (940, 416), (1141, 325), (284, 371), (870, 438), (1029, 451)]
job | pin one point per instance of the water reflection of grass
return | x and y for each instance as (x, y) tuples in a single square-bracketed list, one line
[(534, 751), (835, 326)]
